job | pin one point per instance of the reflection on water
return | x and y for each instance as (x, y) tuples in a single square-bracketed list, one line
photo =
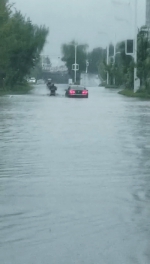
[(74, 178)]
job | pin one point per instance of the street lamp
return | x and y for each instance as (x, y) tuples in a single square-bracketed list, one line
[(125, 4), (118, 52), (136, 79), (114, 60), (75, 66), (114, 63), (75, 62)]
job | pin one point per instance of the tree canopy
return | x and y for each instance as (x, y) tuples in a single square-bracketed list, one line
[(21, 43), (95, 57), (68, 56), (122, 69)]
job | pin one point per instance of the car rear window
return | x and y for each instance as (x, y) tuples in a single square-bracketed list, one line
[(77, 87)]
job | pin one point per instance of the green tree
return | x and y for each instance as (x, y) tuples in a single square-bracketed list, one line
[(95, 57), (26, 46), (124, 67), (5, 38), (103, 68), (143, 55), (20, 46), (68, 56)]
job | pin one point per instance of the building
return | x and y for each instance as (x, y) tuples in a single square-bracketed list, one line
[(45, 62), (148, 13)]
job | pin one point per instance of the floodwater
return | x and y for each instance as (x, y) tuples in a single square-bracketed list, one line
[(74, 178)]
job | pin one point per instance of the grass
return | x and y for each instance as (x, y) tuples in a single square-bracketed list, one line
[(17, 90), (139, 94)]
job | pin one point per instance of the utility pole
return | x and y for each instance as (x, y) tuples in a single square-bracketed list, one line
[(136, 80), (115, 56), (107, 63), (134, 54), (75, 66), (75, 62)]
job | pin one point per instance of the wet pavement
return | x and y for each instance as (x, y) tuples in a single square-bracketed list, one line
[(74, 178)]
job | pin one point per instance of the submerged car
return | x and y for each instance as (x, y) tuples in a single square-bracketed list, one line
[(77, 91)]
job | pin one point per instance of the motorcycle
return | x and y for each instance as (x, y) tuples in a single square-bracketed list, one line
[(53, 89)]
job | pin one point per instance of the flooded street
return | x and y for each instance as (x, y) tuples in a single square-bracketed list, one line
[(74, 178)]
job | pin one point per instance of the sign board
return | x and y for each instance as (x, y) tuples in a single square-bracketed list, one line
[(70, 81), (87, 63), (136, 85), (129, 47), (75, 67)]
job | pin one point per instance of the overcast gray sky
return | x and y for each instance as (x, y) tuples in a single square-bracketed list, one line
[(82, 20)]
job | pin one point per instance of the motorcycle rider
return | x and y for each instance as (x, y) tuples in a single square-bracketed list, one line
[(49, 83), (51, 86)]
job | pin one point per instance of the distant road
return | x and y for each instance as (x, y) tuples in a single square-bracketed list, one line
[(89, 79)]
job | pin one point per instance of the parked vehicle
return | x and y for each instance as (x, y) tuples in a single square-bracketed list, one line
[(32, 80), (77, 91)]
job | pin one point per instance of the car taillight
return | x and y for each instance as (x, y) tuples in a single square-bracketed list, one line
[(72, 92), (84, 92)]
